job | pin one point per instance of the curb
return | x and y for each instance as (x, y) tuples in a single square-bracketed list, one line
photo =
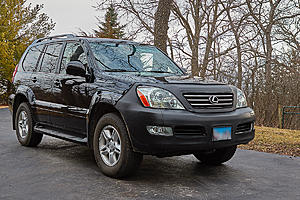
[(2, 107)]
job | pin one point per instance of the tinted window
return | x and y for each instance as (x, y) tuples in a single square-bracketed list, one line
[(32, 57), (73, 52), (51, 58)]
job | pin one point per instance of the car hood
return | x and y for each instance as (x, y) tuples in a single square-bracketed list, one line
[(131, 78)]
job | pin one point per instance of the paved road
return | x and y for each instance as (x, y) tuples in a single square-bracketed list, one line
[(63, 170)]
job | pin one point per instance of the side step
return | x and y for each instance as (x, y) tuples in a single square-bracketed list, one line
[(60, 135)]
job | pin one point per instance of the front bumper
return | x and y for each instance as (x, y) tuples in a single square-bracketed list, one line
[(137, 118)]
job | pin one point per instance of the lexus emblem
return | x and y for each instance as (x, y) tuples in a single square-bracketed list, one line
[(213, 99)]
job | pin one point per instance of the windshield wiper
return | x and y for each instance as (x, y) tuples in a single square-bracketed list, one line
[(118, 70), (160, 72)]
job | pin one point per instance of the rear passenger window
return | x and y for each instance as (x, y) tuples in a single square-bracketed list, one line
[(73, 52), (32, 57), (51, 58)]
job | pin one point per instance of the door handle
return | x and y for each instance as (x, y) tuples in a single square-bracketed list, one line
[(34, 79)]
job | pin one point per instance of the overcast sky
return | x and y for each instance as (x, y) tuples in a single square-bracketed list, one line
[(70, 15)]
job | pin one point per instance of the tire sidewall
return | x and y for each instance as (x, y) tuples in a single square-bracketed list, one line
[(24, 107), (113, 120)]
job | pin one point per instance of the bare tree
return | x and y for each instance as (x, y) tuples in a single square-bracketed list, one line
[(161, 22)]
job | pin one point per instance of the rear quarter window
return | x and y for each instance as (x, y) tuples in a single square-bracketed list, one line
[(32, 57)]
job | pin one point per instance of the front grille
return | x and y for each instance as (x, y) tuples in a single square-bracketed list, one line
[(210, 100), (244, 127), (189, 130)]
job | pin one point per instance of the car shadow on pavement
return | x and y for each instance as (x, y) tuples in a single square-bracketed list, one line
[(166, 170)]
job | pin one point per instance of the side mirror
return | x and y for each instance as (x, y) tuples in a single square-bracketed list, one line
[(76, 68)]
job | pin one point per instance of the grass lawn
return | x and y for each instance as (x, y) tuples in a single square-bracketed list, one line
[(274, 140)]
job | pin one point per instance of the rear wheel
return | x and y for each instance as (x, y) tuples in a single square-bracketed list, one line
[(216, 157), (112, 149), (24, 127)]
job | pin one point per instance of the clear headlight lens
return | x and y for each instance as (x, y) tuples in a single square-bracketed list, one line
[(154, 97), (241, 99)]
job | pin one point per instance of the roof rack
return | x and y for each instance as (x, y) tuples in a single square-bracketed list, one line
[(54, 37)]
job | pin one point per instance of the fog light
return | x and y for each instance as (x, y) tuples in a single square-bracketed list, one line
[(160, 130)]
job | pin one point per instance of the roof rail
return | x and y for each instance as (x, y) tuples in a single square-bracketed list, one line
[(54, 37)]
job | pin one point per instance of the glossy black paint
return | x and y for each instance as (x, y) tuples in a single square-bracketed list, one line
[(65, 104)]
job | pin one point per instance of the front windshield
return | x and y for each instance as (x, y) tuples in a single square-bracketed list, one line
[(132, 58)]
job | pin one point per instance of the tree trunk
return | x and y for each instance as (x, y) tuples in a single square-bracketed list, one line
[(161, 24), (195, 57), (268, 87), (209, 41), (240, 68)]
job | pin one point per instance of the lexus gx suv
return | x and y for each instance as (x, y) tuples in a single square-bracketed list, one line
[(124, 100)]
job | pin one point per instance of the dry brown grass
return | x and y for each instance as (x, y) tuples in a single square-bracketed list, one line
[(274, 140)]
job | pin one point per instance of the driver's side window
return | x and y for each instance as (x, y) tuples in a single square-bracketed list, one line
[(73, 52)]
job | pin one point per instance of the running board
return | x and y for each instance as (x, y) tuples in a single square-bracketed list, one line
[(60, 135)]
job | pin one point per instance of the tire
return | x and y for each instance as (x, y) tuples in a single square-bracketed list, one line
[(217, 157), (117, 159), (24, 127)]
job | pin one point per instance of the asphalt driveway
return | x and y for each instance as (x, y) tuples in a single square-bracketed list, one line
[(62, 170)]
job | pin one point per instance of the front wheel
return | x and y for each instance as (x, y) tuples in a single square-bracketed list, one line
[(217, 157), (112, 149)]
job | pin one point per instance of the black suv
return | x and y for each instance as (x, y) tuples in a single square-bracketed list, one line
[(124, 99)]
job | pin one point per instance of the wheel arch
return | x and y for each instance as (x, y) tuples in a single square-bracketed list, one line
[(19, 98), (23, 94), (101, 104)]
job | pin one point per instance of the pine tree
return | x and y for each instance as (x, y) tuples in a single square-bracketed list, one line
[(111, 27), (20, 24)]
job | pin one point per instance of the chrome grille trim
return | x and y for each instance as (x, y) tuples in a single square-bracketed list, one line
[(208, 95), (219, 104), (202, 100)]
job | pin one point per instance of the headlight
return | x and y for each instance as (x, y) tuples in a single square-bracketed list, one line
[(241, 99), (154, 97)]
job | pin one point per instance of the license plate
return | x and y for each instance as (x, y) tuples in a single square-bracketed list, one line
[(221, 133)]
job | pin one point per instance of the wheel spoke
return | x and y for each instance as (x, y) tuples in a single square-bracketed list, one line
[(23, 116), (103, 148), (111, 158), (105, 152), (114, 136), (23, 132), (106, 134), (118, 148)]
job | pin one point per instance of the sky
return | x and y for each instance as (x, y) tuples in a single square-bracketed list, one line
[(70, 15)]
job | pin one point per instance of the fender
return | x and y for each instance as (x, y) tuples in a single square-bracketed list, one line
[(21, 91), (102, 97), (27, 92)]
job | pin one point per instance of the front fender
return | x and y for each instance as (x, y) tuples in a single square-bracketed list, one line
[(99, 99)]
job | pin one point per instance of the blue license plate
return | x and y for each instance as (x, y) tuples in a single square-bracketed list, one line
[(221, 133)]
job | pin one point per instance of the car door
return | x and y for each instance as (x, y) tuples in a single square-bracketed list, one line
[(43, 79), (71, 92), (28, 68)]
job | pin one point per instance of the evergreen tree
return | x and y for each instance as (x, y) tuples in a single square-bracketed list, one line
[(19, 26), (110, 28)]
